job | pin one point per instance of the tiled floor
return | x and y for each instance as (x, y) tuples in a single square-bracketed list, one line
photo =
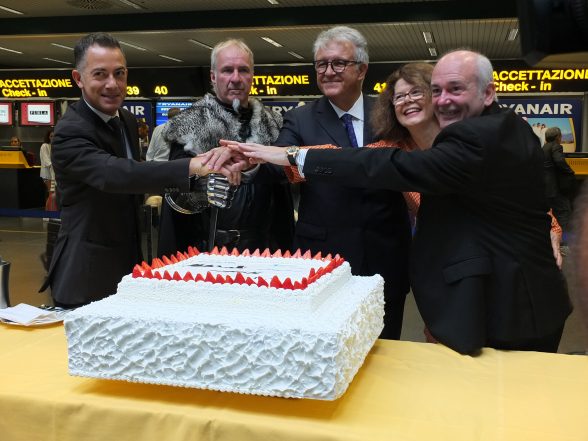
[(22, 240)]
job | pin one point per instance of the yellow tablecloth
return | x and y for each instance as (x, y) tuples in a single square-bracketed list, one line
[(404, 391)]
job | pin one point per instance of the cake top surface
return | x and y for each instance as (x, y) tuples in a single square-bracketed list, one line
[(277, 270)]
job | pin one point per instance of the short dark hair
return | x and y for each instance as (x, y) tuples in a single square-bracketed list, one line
[(47, 137), (173, 111), (101, 39), (552, 133), (383, 118)]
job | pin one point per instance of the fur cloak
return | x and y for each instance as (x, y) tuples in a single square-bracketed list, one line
[(200, 127)]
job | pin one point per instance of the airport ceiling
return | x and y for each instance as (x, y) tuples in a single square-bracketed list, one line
[(157, 33)]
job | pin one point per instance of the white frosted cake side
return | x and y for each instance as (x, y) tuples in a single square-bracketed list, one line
[(241, 336)]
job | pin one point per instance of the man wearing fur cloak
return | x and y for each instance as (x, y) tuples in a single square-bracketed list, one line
[(261, 215)]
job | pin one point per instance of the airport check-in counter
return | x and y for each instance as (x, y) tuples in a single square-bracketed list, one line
[(21, 185), (578, 161)]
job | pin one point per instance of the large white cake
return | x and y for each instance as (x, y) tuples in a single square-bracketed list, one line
[(290, 326)]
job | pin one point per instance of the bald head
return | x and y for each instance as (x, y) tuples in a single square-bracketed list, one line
[(462, 86)]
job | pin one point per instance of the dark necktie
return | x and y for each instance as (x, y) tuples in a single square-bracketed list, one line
[(348, 121), (117, 127)]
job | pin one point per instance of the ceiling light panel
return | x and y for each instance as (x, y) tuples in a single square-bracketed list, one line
[(10, 50), (512, 34), (199, 43), (296, 55), (139, 48), (272, 42), (12, 11), (62, 46), (171, 58), (56, 60)]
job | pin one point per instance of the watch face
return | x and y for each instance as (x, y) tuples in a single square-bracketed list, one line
[(291, 154)]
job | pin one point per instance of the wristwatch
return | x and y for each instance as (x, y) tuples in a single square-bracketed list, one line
[(291, 154)]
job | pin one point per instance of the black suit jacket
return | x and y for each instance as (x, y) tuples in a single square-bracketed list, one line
[(100, 192), (368, 227), (556, 168), (482, 268)]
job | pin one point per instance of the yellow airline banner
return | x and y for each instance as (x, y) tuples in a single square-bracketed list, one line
[(33, 87), (539, 80)]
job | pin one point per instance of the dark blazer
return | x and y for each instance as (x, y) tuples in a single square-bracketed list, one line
[(369, 228), (482, 268), (556, 168), (100, 192)]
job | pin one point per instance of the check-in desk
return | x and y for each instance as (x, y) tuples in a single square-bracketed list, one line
[(578, 161), (20, 184)]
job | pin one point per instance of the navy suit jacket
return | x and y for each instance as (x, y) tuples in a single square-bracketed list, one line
[(100, 192), (368, 227), (482, 266)]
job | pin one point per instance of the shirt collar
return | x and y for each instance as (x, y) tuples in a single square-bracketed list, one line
[(356, 110), (103, 116)]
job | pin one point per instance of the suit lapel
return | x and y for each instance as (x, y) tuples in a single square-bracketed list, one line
[(127, 120), (368, 105), (109, 141), (327, 119)]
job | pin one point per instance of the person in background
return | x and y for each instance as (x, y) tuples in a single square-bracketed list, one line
[(15, 141), (559, 177), (579, 251), (30, 156), (158, 147), (260, 216), (482, 267), (143, 129), (542, 130), (47, 173), (95, 156), (368, 227)]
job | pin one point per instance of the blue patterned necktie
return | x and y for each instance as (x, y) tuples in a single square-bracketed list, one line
[(348, 121)]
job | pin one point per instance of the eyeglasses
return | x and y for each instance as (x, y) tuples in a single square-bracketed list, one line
[(338, 66), (414, 94)]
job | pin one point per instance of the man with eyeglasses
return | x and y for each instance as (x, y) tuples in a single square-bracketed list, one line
[(482, 267), (369, 228)]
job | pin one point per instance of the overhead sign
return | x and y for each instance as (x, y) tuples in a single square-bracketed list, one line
[(542, 113), (143, 111), (272, 81), (540, 80)]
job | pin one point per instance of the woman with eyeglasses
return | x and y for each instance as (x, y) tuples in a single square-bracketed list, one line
[(403, 118)]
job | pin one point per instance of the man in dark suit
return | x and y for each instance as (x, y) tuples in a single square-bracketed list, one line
[(559, 177), (100, 181), (482, 267), (369, 228)]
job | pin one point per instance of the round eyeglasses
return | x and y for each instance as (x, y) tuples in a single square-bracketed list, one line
[(414, 94), (338, 66)]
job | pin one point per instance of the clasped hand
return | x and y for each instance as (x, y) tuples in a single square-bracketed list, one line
[(225, 163), (242, 156)]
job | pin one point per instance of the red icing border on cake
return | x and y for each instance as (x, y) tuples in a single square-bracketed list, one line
[(144, 270)]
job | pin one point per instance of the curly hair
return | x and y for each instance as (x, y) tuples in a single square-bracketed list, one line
[(383, 118)]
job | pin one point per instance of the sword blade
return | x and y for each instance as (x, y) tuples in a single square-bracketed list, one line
[(212, 227)]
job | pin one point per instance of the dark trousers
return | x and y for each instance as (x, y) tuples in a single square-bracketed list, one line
[(393, 313)]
